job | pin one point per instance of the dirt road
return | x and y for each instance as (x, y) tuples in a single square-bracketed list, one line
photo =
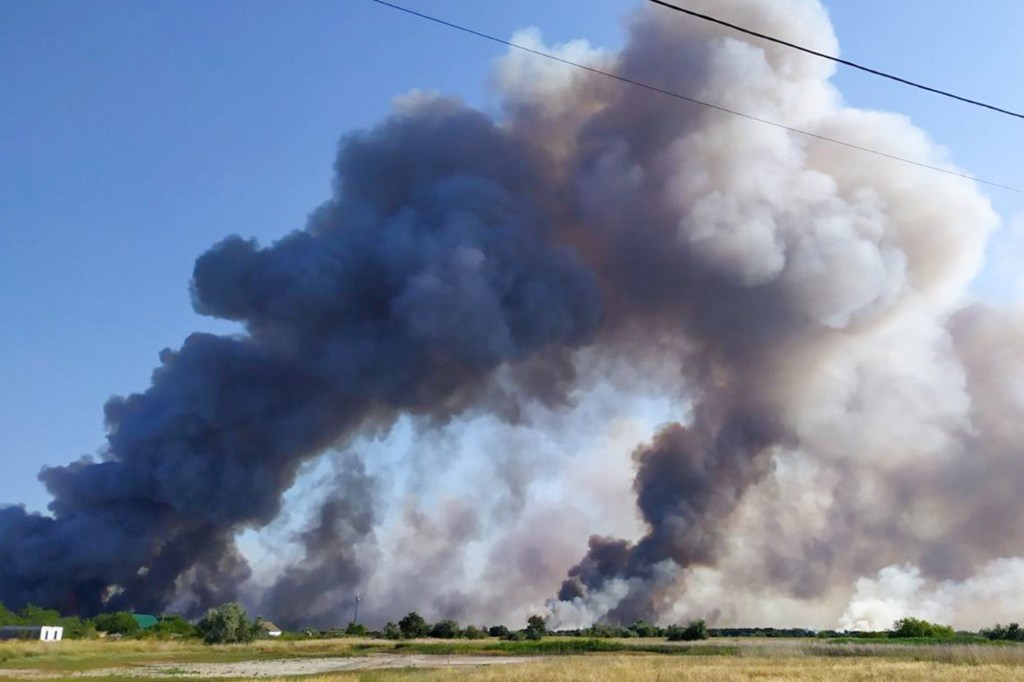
[(282, 667)]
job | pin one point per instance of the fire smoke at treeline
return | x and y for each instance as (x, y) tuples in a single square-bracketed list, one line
[(850, 445)]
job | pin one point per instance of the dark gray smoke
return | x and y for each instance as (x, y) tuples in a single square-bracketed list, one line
[(329, 571), (428, 269), (806, 299), (687, 484)]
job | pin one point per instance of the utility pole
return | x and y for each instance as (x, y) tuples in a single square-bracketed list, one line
[(355, 614)]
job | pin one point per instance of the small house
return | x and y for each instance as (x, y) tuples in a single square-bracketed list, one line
[(39, 633), (270, 629)]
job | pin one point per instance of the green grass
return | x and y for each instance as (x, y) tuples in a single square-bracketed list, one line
[(560, 646), (69, 658), (918, 641)]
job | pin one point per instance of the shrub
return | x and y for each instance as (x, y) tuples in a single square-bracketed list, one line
[(391, 631), (227, 624), (916, 627), (445, 629), (694, 630), (1012, 633), (473, 632), (644, 629), (172, 627), (356, 629), (498, 631), (413, 625), (536, 627), (604, 631), (119, 623), (8, 617)]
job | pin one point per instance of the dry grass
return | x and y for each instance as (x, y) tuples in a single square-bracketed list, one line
[(71, 655), (779, 660), (647, 668)]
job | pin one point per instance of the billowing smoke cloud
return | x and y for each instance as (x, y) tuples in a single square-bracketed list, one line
[(841, 410), (330, 570), (687, 484), (810, 290), (429, 269)]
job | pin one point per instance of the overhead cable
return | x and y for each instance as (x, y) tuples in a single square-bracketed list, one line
[(693, 100), (838, 60)]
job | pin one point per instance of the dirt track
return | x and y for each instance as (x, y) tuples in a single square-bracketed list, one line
[(282, 667), (286, 667)]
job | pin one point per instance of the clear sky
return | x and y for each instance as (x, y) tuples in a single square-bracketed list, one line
[(135, 135)]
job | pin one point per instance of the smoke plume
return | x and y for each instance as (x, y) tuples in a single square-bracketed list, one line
[(845, 424), (428, 270)]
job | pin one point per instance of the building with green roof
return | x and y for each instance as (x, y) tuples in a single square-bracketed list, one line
[(145, 620)]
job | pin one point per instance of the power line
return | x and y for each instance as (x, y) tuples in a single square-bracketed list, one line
[(838, 60), (692, 100)]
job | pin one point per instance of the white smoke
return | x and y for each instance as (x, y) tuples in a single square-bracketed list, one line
[(991, 595), (872, 254), (825, 285)]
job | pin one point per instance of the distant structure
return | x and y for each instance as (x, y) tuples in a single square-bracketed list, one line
[(271, 629), (145, 620), (42, 633)]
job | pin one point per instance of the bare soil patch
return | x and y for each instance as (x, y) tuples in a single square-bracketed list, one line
[(283, 667)]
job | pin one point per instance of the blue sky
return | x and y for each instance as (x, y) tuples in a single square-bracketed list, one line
[(135, 135)]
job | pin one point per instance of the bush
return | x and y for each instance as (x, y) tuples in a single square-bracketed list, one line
[(915, 627), (1011, 633), (413, 625), (445, 629), (644, 629), (391, 631), (604, 631), (498, 631), (536, 627), (694, 630), (8, 617), (173, 627), (227, 624), (119, 623), (356, 629), (473, 632)]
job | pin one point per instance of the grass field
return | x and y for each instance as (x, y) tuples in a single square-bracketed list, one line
[(637, 668), (560, 659)]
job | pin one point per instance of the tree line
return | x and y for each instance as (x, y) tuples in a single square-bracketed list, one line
[(230, 623), (119, 623)]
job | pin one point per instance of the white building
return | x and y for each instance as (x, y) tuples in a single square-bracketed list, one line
[(42, 633)]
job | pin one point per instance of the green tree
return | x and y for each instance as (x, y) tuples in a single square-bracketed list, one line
[(35, 615), (473, 632), (227, 624), (694, 630), (413, 625), (391, 631), (536, 627), (8, 617), (445, 629), (119, 623), (642, 628), (173, 627), (916, 627), (498, 631), (1012, 632), (355, 629)]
